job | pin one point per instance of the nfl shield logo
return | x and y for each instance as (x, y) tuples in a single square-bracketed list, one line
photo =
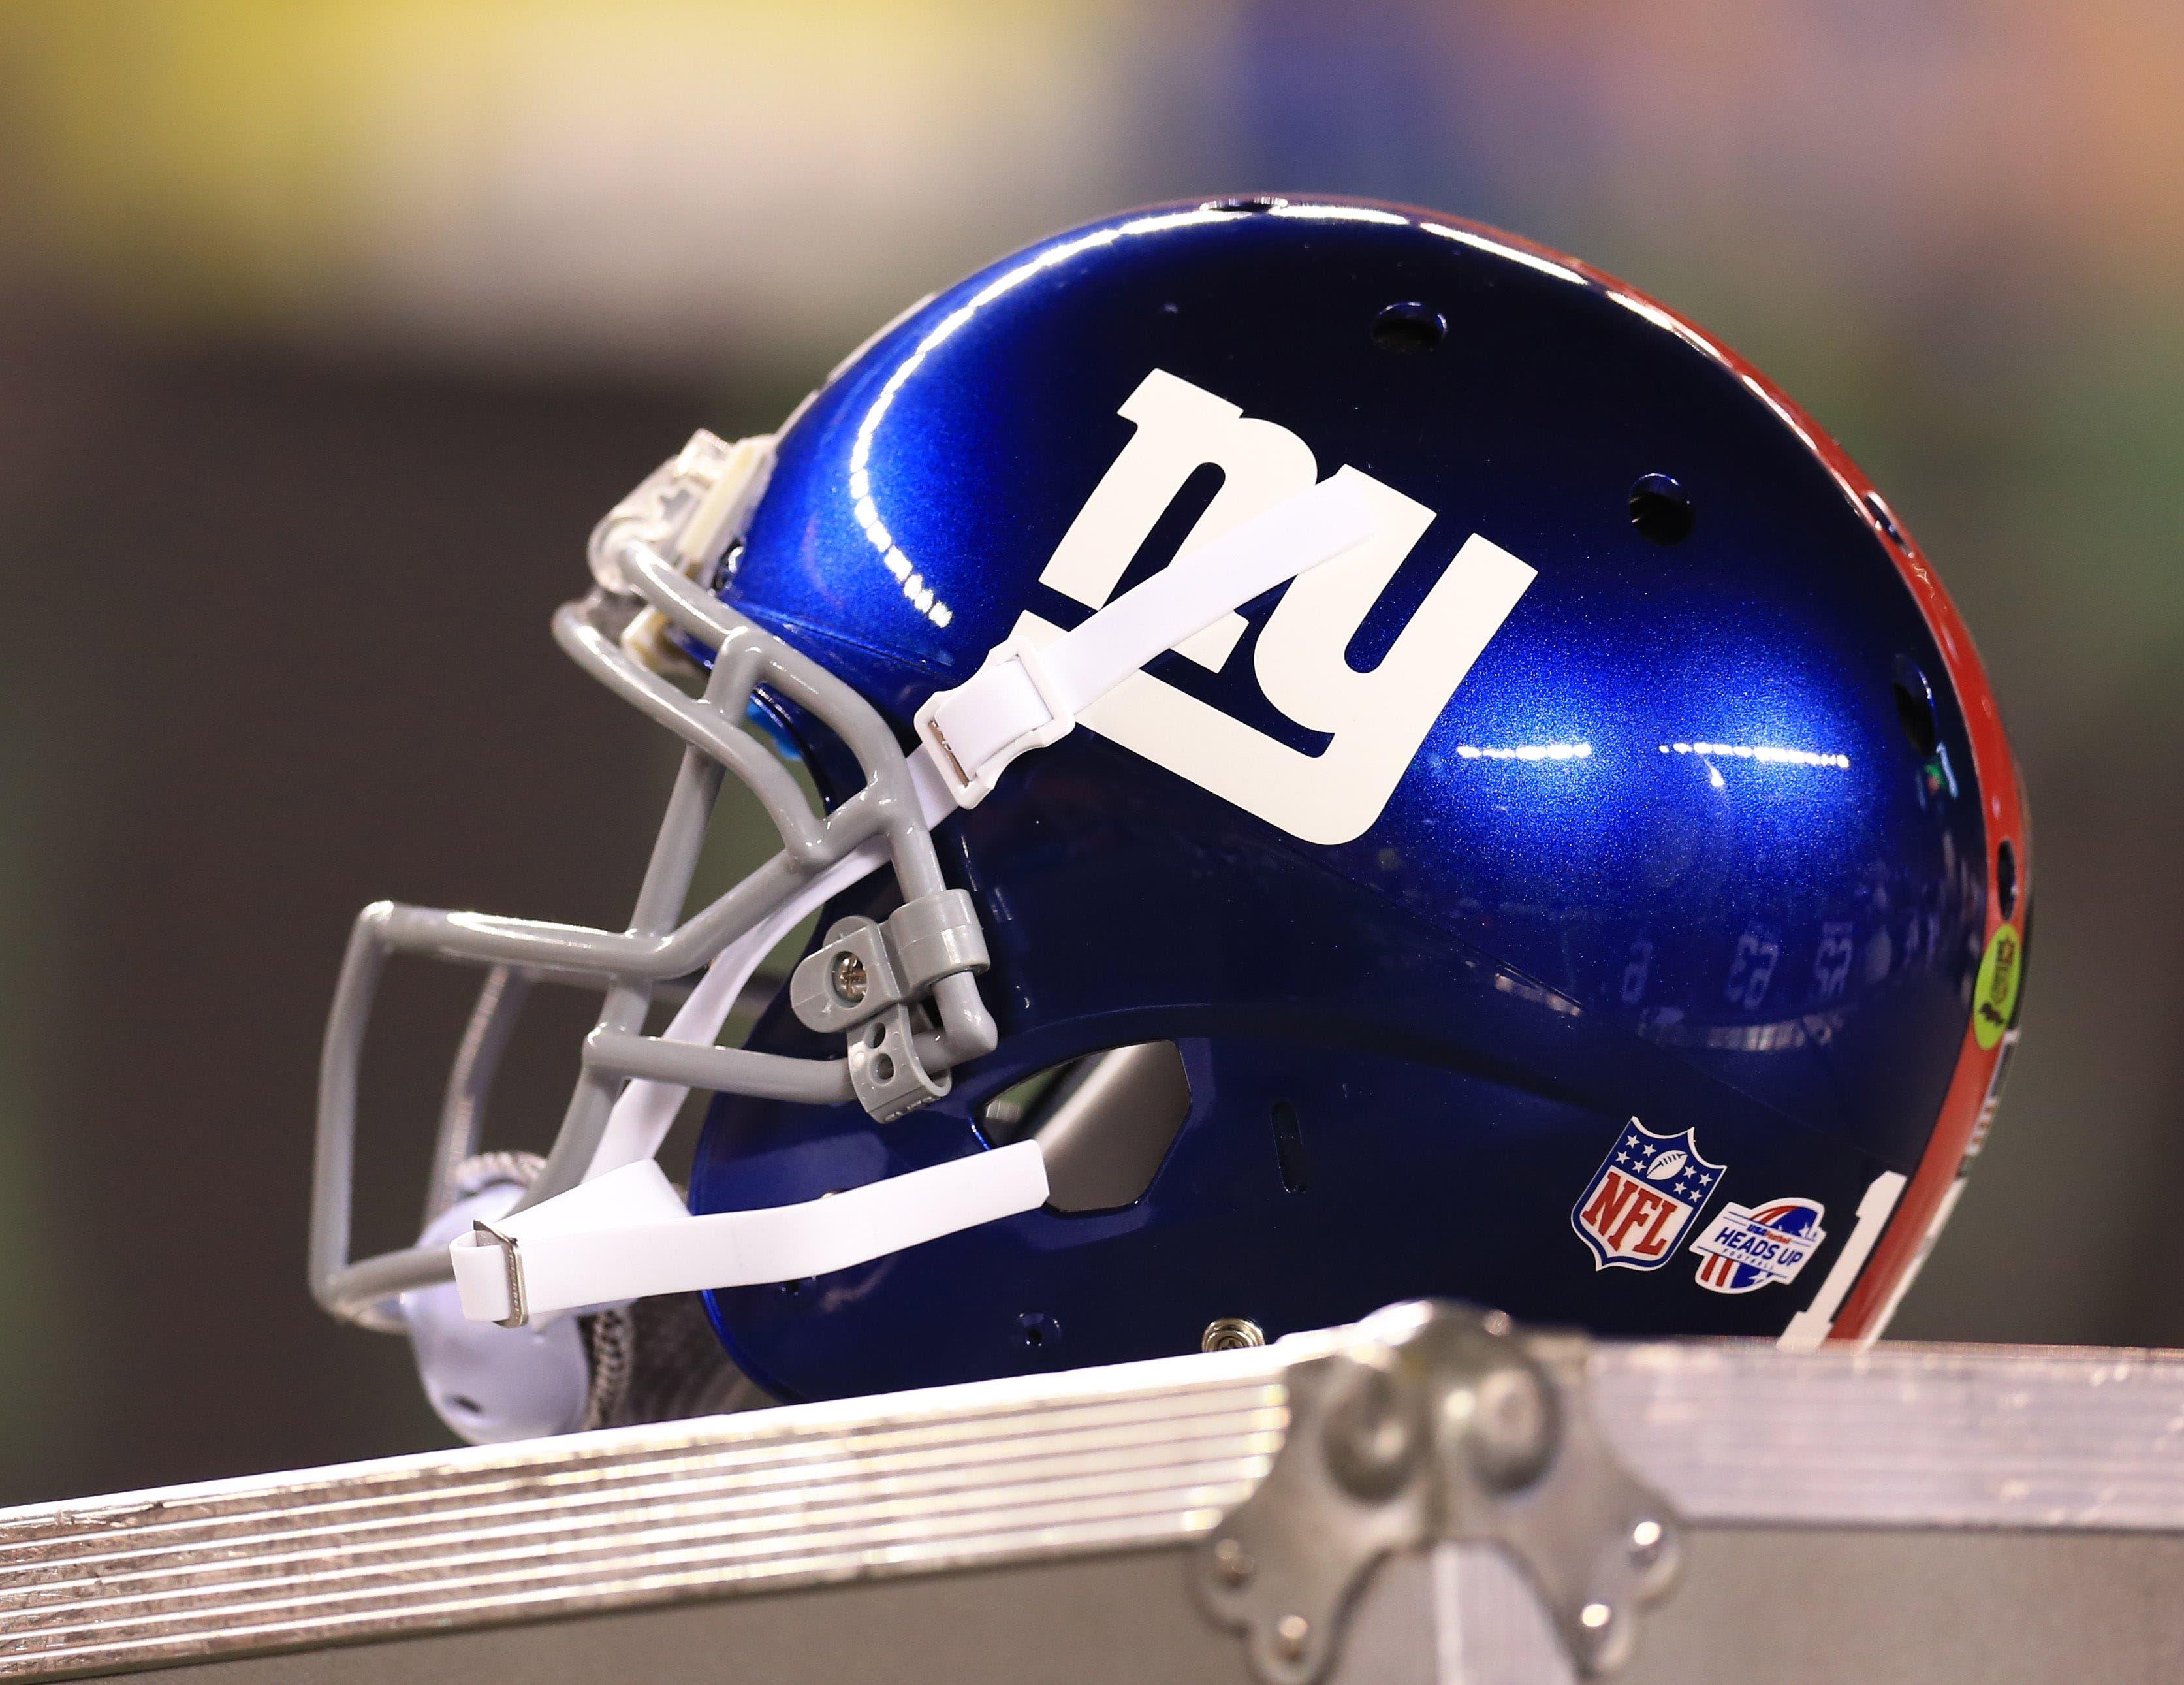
[(1634, 1210)]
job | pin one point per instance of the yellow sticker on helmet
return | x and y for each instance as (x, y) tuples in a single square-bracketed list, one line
[(1994, 1000)]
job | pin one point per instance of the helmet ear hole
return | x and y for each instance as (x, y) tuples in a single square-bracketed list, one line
[(1104, 1122)]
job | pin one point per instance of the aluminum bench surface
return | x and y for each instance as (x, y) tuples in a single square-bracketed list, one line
[(1907, 1512)]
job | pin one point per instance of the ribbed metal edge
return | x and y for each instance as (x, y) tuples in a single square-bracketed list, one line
[(1901, 1436), (1002, 1472), (1734, 1433)]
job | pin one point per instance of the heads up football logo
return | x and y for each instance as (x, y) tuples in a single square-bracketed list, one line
[(1746, 1247), (1375, 721), (1634, 1210)]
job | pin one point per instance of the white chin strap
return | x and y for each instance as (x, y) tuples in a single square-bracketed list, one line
[(623, 1233), (627, 1234)]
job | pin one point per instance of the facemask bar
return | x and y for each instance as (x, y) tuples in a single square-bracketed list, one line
[(469, 1080), (941, 1024)]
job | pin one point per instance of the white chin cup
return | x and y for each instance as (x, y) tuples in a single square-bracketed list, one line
[(487, 1383)]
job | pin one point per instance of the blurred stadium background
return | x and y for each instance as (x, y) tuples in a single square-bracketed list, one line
[(326, 330)]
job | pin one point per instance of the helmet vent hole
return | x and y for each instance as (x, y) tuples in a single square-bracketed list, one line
[(1039, 1331), (1245, 205), (2005, 877), (1661, 510), (1408, 328), (1885, 519), (1914, 708), (463, 1405), (1289, 1148)]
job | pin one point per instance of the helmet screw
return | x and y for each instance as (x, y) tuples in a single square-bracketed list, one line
[(1233, 1563), (1292, 1632), (1231, 1334), (847, 976)]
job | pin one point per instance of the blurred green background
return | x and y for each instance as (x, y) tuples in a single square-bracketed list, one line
[(326, 330)]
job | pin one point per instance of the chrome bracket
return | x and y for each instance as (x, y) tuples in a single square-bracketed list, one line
[(1442, 1424)]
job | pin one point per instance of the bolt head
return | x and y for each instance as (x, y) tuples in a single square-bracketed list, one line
[(1233, 1563), (1292, 1632), (1231, 1334), (846, 977)]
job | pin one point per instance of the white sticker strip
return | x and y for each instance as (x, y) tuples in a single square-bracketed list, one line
[(1941, 1215), (1812, 1325)]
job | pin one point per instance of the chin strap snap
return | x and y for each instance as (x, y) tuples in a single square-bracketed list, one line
[(654, 1360), (624, 1233)]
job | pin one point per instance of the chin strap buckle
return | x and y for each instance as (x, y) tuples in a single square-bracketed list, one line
[(1013, 703), (512, 1262), (1028, 695)]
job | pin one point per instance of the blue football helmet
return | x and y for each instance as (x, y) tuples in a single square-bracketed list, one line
[(1359, 759)]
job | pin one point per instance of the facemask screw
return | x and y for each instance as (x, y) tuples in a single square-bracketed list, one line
[(1231, 1334), (847, 977)]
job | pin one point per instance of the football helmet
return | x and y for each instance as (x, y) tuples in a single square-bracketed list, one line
[(1358, 757)]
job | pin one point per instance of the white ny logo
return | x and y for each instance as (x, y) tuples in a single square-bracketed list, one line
[(1376, 719)]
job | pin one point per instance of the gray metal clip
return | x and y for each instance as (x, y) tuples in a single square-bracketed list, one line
[(1443, 1425), (866, 981), (846, 979), (863, 968), (885, 1073)]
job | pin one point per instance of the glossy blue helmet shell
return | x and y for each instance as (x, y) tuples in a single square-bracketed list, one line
[(1706, 837)]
